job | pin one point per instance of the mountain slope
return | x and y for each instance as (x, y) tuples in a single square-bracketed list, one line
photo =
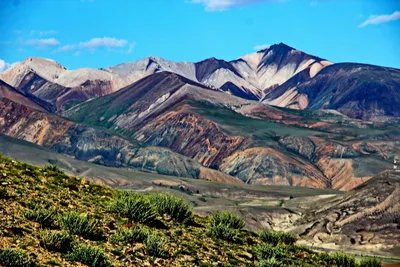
[(63, 88), (9, 92), (85, 143), (252, 141), (248, 77), (357, 90)]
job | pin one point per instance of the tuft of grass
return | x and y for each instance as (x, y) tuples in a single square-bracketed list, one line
[(156, 246), (172, 205), (230, 220), (370, 262), (275, 238), (91, 256), (344, 260), (61, 242), (134, 206), (81, 225), (271, 262), (266, 251), (11, 257), (46, 218), (133, 235), (222, 231)]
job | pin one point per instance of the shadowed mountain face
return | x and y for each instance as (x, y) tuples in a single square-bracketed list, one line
[(8, 92), (254, 142), (356, 90)]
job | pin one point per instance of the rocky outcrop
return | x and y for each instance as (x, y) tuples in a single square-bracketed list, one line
[(269, 166), (365, 219), (190, 135)]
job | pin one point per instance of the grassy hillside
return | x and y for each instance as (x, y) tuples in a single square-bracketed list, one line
[(51, 219)]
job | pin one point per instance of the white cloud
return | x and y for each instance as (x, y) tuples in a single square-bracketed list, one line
[(381, 19), (131, 47), (261, 47), (4, 66), (66, 48), (221, 5), (77, 53), (42, 33), (95, 43), (105, 42), (42, 43)]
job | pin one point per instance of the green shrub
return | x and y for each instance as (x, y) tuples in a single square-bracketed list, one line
[(52, 169), (171, 205), (81, 225), (228, 219), (155, 246), (11, 257), (266, 251), (132, 235), (344, 260), (57, 241), (275, 238), (370, 262), (135, 207), (271, 262), (46, 218), (90, 256), (222, 231)]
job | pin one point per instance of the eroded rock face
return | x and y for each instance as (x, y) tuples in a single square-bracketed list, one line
[(269, 166), (190, 135), (301, 145), (366, 219)]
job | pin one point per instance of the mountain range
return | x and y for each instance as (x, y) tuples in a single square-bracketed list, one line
[(277, 116)]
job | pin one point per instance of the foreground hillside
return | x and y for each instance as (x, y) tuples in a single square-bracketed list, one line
[(51, 219)]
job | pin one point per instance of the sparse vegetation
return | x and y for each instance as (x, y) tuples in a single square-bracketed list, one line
[(228, 219), (136, 207), (81, 225), (223, 231), (344, 260), (133, 235), (370, 262), (266, 251), (155, 246), (15, 258), (98, 226), (172, 205), (275, 238), (61, 242), (46, 218), (271, 262), (90, 256)]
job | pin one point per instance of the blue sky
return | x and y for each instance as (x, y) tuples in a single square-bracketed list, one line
[(102, 33)]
